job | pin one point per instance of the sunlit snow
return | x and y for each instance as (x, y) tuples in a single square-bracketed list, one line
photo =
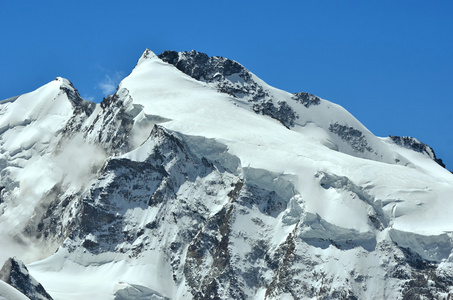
[(332, 191)]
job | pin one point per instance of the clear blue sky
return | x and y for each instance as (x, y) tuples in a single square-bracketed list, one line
[(390, 63)]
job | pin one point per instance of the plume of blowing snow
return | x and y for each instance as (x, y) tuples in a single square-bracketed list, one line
[(79, 161), (71, 169)]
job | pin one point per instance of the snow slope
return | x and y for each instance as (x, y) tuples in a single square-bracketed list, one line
[(197, 180), (7, 292), (261, 144)]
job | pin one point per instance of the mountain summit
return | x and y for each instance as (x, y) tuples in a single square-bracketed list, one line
[(198, 180)]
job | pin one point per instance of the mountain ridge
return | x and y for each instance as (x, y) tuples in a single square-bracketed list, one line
[(219, 187)]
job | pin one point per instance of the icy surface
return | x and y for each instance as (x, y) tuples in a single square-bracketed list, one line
[(7, 292), (199, 180)]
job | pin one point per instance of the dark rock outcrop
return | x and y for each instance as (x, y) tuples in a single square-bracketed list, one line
[(414, 144), (352, 136), (15, 273), (306, 99)]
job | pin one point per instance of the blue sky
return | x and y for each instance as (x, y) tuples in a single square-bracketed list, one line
[(390, 63)]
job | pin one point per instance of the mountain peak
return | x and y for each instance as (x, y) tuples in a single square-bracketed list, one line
[(65, 83), (147, 54), (74, 97), (61, 79), (198, 180)]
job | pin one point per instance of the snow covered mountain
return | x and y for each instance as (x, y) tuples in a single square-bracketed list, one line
[(198, 180)]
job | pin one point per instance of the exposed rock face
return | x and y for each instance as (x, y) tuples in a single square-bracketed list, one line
[(113, 125), (82, 106), (281, 112), (233, 79), (16, 274), (352, 136), (190, 209), (200, 66), (414, 144), (307, 99)]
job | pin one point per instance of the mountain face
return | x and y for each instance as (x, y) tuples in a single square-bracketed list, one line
[(198, 180), (416, 145), (16, 274)]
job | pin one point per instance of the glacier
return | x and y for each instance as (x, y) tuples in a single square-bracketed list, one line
[(198, 180)]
